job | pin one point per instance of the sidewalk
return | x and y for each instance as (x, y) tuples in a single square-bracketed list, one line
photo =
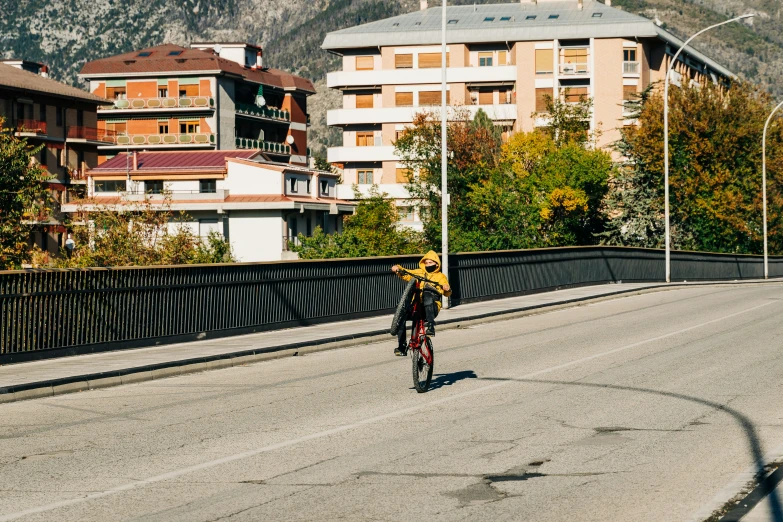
[(71, 374)]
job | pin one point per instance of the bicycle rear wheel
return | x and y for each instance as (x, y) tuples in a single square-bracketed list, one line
[(422, 372), (401, 313)]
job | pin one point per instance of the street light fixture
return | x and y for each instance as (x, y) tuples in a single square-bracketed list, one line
[(764, 187), (444, 204), (666, 137)]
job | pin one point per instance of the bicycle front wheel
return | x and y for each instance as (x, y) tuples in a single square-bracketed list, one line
[(422, 371)]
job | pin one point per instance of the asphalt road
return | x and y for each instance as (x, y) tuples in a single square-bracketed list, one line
[(639, 408)]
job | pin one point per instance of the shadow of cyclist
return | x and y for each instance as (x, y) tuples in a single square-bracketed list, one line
[(447, 379)]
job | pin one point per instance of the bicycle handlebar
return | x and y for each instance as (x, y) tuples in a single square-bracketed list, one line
[(423, 279)]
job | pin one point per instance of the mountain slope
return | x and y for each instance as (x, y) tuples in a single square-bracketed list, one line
[(66, 33)]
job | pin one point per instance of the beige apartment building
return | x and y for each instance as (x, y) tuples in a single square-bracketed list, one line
[(502, 58)]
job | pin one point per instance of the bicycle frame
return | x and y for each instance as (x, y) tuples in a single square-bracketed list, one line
[(418, 331)]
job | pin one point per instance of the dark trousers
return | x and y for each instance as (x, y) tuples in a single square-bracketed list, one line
[(428, 299)]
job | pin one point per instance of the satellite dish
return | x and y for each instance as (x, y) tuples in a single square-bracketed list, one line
[(290, 140), (260, 101)]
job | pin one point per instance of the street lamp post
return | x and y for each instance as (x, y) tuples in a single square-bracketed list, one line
[(666, 137), (444, 210), (764, 187)]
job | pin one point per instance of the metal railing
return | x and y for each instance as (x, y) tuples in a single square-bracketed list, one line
[(58, 312), (567, 69), (263, 112), (630, 67), (184, 102), (266, 146), (200, 138), (31, 126), (92, 134)]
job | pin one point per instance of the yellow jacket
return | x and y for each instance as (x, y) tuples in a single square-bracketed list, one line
[(437, 276)]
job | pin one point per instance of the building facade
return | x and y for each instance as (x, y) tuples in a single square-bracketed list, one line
[(211, 96), (61, 119), (502, 58), (259, 205)]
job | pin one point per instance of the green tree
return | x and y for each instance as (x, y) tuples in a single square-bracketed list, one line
[(23, 197), (569, 122), (372, 231)]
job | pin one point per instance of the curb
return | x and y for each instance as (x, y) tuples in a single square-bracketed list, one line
[(94, 381)]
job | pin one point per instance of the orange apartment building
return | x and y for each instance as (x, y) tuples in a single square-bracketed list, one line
[(502, 58), (211, 96), (64, 121)]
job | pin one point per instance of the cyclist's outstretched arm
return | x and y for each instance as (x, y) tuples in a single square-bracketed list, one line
[(401, 273)]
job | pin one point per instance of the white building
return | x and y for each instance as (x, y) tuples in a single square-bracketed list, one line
[(259, 205)]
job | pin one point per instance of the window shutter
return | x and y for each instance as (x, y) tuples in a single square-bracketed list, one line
[(544, 61), (365, 63), (629, 92), (541, 95), (403, 99), (403, 61), (486, 98), (431, 60), (502, 57), (432, 97), (365, 101), (403, 176)]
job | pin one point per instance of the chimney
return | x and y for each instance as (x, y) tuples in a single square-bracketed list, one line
[(260, 59), (44, 71), (423, 5), (581, 4), (608, 3), (135, 160)]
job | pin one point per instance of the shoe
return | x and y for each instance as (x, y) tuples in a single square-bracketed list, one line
[(401, 351), (430, 330)]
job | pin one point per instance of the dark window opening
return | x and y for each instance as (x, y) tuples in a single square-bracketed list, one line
[(207, 186), (175, 53), (505, 19), (144, 54), (79, 118), (554, 17), (154, 187), (597, 15), (489, 19), (59, 116), (292, 185), (44, 156), (452, 22), (42, 112), (530, 17)]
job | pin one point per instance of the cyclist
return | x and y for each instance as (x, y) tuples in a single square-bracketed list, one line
[(429, 269)]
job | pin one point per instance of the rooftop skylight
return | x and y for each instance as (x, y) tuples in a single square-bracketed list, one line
[(554, 16), (144, 54), (175, 53), (452, 22), (505, 19), (489, 19), (597, 15), (530, 17)]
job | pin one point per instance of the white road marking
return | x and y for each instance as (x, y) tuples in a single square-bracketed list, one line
[(346, 427)]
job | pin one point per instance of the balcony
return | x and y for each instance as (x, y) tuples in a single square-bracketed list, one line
[(504, 112), (193, 103), (475, 75), (164, 140), (363, 154), (91, 134), (574, 69), (31, 127), (244, 109), (631, 68), (265, 146)]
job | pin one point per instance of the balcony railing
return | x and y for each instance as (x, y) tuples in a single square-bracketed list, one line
[(31, 126), (630, 67), (164, 139), (185, 102), (266, 146), (263, 112), (567, 69), (92, 134)]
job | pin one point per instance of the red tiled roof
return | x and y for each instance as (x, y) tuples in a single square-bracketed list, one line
[(191, 60), (187, 160), (14, 78)]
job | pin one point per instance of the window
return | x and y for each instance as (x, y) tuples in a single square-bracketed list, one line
[(629, 55), (116, 93), (452, 22), (79, 118), (154, 186), (189, 127), (403, 61), (485, 59), (308, 185), (144, 54), (110, 186), (542, 96), (365, 139), (188, 90), (505, 18), (365, 101), (403, 99), (530, 17), (44, 156), (629, 92), (324, 187), (545, 59), (163, 127), (574, 94), (163, 92), (432, 98), (489, 19), (365, 63), (42, 112), (575, 55), (293, 185), (58, 112), (398, 134), (405, 213), (554, 17), (120, 127), (432, 60), (502, 57), (207, 186), (175, 53), (486, 98), (309, 226), (403, 176), (597, 15), (20, 112), (365, 177)]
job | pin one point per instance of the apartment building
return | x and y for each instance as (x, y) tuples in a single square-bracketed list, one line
[(64, 121), (211, 96), (502, 58), (259, 205)]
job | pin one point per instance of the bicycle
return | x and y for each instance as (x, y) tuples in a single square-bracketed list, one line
[(420, 345)]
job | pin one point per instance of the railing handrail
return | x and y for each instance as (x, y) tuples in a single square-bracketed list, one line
[(162, 102), (177, 138), (631, 67), (579, 67), (265, 112), (31, 125), (91, 133)]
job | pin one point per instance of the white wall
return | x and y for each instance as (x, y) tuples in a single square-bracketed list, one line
[(256, 235), (251, 179)]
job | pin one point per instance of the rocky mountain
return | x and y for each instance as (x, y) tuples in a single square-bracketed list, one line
[(66, 33)]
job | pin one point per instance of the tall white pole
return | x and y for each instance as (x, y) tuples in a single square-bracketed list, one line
[(764, 187), (666, 139), (444, 210)]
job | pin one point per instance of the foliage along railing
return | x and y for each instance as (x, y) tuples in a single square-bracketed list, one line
[(200, 138), (31, 126), (57, 312), (184, 102), (263, 112), (265, 146)]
